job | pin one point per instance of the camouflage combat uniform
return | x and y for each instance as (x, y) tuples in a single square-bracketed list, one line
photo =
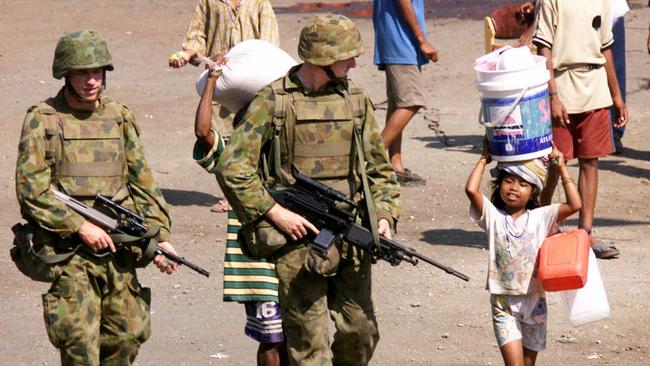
[(96, 311), (321, 146)]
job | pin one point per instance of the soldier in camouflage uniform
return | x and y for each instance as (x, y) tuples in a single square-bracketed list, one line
[(83, 143), (318, 139)]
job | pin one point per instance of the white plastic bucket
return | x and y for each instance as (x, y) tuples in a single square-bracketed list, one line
[(588, 304), (515, 110)]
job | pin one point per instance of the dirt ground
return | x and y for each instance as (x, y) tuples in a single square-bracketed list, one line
[(426, 317)]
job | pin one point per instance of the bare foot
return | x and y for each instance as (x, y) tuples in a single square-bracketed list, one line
[(221, 205)]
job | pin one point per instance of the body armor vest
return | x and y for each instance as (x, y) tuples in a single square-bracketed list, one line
[(316, 135), (86, 156)]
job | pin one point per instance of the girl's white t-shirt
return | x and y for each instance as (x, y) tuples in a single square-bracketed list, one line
[(513, 246)]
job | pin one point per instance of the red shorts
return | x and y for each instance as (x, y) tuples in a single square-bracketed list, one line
[(588, 136)]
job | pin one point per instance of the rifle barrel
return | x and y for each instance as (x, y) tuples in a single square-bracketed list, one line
[(182, 261)]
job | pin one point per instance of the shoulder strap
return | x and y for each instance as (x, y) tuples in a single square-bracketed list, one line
[(283, 101), (52, 128), (357, 104)]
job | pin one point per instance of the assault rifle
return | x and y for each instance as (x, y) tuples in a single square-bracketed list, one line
[(127, 223), (318, 203)]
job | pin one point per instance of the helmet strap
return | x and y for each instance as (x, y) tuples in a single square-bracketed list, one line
[(333, 79), (329, 72)]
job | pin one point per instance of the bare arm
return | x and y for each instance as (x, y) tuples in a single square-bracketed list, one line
[(558, 110), (473, 185), (615, 90), (406, 7), (573, 201), (203, 118)]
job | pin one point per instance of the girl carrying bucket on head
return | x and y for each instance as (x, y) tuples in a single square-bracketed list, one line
[(516, 226)]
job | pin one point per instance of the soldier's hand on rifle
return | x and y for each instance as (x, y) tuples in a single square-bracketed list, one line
[(95, 237), (290, 223), (383, 229), (162, 263)]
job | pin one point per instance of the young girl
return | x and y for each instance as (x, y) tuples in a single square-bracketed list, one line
[(516, 226)]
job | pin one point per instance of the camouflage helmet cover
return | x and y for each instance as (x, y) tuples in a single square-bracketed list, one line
[(83, 49), (329, 38)]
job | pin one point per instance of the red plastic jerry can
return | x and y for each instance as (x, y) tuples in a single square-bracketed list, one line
[(563, 261)]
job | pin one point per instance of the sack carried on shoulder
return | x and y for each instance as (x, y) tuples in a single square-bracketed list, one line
[(260, 239), (34, 254), (563, 261)]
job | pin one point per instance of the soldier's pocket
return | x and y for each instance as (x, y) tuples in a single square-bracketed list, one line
[(61, 315), (139, 317), (260, 239), (324, 264)]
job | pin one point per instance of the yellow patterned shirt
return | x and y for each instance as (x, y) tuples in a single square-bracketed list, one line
[(217, 25)]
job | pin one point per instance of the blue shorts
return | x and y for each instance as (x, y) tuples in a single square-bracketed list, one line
[(264, 321)]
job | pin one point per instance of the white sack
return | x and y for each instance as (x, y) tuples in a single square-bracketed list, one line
[(251, 65)]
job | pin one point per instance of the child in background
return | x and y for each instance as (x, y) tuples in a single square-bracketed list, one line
[(216, 27), (516, 226), (250, 282)]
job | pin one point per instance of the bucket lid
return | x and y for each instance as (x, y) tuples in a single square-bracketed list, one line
[(504, 80)]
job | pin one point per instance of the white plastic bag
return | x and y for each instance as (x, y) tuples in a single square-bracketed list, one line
[(588, 304), (251, 65)]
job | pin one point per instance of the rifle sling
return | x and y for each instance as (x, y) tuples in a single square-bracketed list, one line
[(367, 195)]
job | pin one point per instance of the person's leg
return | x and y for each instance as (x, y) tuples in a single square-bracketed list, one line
[(546, 196), (507, 331), (304, 308), (65, 306), (588, 187), (530, 357), (404, 91), (264, 325), (396, 121), (513, 353), (595, 135), (126, 322), (272, 354), (563, 138), (352, 310)]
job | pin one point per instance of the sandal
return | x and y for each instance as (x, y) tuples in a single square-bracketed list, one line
[(605, 250), (408, 178)]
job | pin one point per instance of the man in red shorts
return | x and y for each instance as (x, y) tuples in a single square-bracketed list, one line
[(576, 39)]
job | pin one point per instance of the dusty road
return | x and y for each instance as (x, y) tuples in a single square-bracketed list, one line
[(426, 316)]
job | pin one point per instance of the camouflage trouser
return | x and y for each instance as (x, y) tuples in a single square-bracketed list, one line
[(305, 299), (97, 312), (222, 119)]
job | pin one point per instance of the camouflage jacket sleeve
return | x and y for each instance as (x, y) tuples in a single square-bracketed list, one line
[(33, 177), (146, 196), (381, 176), (237, 168), (208, 159)]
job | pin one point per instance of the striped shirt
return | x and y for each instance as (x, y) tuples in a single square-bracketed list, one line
[(244, 279), (217, 25)]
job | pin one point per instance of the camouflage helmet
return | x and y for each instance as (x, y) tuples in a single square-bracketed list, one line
[(329, 38), (83, 49)]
